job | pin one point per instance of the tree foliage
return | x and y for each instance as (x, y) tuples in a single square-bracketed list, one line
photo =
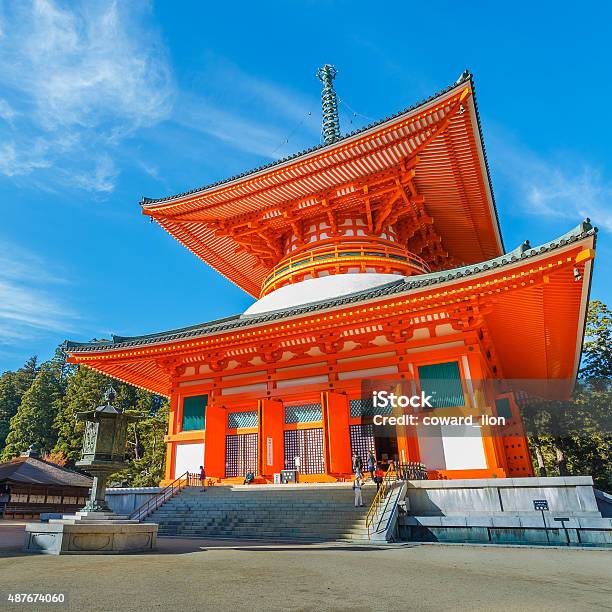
[(33, 421), (38, 404), (574, 436)]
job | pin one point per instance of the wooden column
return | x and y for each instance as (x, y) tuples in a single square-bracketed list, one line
[(214, 441), (271, 457), (172, 429), (494, 456), (336, 415)]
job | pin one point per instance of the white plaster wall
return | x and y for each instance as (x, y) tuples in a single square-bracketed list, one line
[(431, 448), (188, 457), (463, 449), (315, 289)]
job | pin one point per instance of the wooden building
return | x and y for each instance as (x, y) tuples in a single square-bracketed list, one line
[(376, 256), (30, 486)]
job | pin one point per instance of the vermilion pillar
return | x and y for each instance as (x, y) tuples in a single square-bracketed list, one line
[(494, 455), (338, 441), (271, 458), (214, 441), (169, 473)]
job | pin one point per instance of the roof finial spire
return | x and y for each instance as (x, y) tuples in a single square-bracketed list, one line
[(331, 123)]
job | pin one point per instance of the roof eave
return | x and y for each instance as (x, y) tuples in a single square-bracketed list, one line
[(150, 205)]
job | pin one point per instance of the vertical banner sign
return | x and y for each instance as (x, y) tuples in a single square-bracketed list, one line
[(269, 451)]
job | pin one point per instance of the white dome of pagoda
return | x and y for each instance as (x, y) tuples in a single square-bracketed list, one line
[(317, 289)]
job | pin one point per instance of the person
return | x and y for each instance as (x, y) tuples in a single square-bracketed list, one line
[(357, 489), (371, 464), (249, 478), (202, 477), (357, 464), (297, 462), (378, 477)]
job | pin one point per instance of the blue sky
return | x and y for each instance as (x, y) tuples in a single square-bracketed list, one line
[(104, 102)]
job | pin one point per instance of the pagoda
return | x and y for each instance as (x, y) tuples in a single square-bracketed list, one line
[(374, 256)]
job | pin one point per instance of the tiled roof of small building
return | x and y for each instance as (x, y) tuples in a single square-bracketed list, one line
[(403, 285), (31, 470)]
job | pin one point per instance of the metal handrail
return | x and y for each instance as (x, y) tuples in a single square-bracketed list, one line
[(390, 476), (153, 503), (403, 471)]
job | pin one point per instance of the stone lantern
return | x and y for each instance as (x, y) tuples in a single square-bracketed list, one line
[(103, 447), (96, 529)]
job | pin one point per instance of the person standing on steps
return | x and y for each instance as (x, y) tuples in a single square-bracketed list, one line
[(378, 477), (202, 477), (371, 464), (357, 464), (357, 489)]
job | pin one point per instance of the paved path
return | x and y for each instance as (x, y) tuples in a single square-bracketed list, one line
[(219, 575)]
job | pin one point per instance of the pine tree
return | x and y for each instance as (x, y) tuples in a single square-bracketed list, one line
[(597, 351), (9, 403), (24, 376), (575, 436), (13, 385), (32, 423)]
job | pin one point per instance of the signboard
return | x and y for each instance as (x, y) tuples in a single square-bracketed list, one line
[(540, 504), (269, 451)]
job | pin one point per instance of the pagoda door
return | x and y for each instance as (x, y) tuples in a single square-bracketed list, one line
[(309, 446), (240, 455), (362, 441)]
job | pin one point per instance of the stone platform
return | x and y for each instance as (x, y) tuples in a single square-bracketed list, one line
[(90, 533)]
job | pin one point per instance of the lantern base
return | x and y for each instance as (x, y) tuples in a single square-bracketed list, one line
[(91, 533)]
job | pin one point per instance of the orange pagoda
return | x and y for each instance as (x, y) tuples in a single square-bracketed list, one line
[(376, 255)]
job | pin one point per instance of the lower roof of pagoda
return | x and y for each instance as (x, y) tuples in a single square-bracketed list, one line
[(536, 300)]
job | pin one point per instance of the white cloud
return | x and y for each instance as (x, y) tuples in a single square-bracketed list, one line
[(84, 78), (101, 178), (7, 112), (27, 306), (557, 187), (248, 113)]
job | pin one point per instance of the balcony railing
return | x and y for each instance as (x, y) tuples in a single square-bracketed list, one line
[(361, 255)]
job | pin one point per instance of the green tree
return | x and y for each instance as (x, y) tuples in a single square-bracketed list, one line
[(9, 402), (574, 436), (13, 385), (24, 376), (597, 350), (146, 448), (32, 423)]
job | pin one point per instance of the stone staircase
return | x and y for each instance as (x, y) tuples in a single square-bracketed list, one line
[(308, 512)]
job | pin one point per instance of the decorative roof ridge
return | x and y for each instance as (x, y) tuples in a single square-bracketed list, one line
[(520, 253), (465, 77)]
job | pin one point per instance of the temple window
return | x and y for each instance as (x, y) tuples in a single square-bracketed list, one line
[(194, 412), (443, 382)]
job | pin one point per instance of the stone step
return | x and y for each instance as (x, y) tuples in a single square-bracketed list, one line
[(300, 514)]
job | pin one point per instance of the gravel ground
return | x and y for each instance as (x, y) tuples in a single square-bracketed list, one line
[(194, 574)]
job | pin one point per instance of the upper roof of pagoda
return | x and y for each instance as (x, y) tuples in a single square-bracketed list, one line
[(435, 147)]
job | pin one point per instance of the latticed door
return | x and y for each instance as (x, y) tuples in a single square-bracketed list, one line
[(362, 442), (240, 455), (308, 445)]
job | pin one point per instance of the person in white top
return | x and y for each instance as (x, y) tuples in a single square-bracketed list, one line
[(297, 462), (357, 489)]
